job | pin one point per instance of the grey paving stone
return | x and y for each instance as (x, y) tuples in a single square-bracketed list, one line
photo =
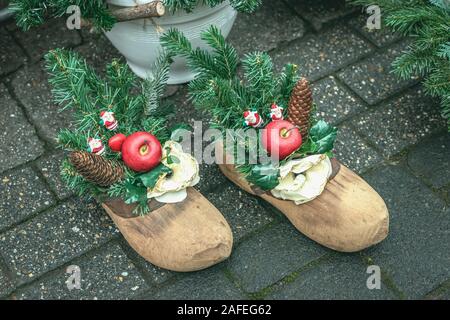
[(210, 284), (53, 34), (353, 152), (272, 255), (11, 55), (372, 78), (334, 103), (50, 169), (54, 238), (106, 275), (10, 25), (22, 194), (321, 54), (18, 140), (321, 12), (341, 277), (211, 178), (380, 37), (402, 122), (242, 211), (445, 296), (155, 274), (415, 254), (264, 29), (430, 160), (97, 50), (6, 286), (184, 110), (34, 92)]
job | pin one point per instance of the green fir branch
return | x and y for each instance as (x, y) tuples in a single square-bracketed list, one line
[(153, 87), (427, 22)]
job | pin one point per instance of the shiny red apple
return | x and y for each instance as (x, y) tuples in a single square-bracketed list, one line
[(141, 151), (282, 137), (116, 141)]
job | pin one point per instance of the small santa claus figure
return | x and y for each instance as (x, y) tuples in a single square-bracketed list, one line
[(96, 146), (108, 120), (252, 119), (276, 112)]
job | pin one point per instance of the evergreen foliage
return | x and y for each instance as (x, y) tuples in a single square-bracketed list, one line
[(219, 90), (428, 24), (31, 13), (76, 86)]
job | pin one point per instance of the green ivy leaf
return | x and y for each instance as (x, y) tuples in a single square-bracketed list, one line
[(264, 176), (150, 178), (323, 136)]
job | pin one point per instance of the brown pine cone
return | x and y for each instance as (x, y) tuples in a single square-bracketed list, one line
[(96, 169), (300, 106)]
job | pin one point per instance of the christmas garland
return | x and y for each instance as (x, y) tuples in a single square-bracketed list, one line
[(259, 100), (120, 146)]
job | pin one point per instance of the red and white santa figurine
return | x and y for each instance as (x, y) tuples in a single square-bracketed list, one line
[(276, 112), (108, 120), (96, 146), (252, 119)]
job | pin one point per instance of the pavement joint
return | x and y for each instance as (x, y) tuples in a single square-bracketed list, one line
[(439, 290), (263, 293), (386, 279), (47, 145)]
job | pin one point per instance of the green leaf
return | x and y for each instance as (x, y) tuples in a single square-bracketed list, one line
[(264, 176), (150, 178), (323, 136)]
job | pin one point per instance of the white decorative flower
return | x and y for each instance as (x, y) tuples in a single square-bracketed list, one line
[(185, 173), (302, 180)]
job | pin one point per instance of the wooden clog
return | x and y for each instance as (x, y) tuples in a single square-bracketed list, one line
[(186, 236), (348, 216)]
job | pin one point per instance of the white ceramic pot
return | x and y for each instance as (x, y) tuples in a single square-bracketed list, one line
[(138, 40)]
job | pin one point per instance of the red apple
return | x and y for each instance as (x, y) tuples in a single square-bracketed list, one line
[(141, 151), (116, 141), (281, 136)]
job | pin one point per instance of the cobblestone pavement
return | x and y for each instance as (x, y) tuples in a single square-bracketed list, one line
[(389, 132)]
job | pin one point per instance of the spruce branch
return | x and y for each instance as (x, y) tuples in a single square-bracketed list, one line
[(427, 22), (247, 6), (31, 13), (177, 44), (287, 80), (258, 69), (153, 87), (226, 56)]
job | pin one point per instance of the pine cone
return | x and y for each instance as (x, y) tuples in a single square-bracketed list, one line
[(96, 169), (300, 106)]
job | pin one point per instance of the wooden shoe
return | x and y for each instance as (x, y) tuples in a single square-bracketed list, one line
[(185, 236), (348, 216)]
